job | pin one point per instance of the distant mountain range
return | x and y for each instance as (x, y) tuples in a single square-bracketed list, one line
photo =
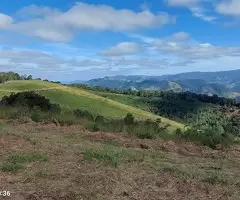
[(224, 83)]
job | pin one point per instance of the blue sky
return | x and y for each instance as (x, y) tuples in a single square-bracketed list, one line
[(79, 40)]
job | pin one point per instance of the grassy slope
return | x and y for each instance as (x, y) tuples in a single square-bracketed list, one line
[(138, 102), (73, 98)]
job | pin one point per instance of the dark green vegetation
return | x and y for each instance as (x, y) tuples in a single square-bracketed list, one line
[(30, 100), (213, 120)]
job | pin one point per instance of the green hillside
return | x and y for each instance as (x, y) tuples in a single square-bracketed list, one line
[(73, 98)]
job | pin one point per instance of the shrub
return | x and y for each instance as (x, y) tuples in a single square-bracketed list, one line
[(129, 119), (100, 119), (83, 114), (114, 125), (208, 137), (29, 99), (178, 132), (159, 120), (67, 119)]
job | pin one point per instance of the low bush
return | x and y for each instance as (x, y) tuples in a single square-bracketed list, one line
[(211, 138), (129, 119), (83, 114)]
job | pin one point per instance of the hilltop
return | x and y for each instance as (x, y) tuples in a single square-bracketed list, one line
[(75, 98)]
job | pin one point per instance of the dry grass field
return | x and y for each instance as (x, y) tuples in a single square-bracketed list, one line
[(66, 163)]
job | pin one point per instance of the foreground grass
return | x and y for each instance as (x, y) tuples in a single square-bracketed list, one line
[(112, 156), (85, 165), (17, 161)]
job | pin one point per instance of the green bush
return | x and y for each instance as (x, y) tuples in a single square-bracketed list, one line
[(67, 119), (208, 137), (159, 120), (129, 119), (31, 100), (83, 114), (100, 119), (178, 132)]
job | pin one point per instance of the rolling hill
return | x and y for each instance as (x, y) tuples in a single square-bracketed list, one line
[(220, 83), (73, 98)]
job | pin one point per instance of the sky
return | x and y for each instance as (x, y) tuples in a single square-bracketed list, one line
[(79, 40)]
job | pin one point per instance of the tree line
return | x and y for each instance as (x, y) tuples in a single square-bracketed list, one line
[(11, 76), (167, 95)]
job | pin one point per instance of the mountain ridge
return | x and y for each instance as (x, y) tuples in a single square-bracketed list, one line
[(222, 83)]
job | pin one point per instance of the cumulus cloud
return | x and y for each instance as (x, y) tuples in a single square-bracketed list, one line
[(19, 60), (5, 20), (124, 48), (187, 48), (51, 24), (229, 7), (195, 51)]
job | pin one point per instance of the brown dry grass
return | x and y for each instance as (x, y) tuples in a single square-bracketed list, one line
[(151, 169)]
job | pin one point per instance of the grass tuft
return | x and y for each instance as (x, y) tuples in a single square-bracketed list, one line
[(16, 161), (112, 156)]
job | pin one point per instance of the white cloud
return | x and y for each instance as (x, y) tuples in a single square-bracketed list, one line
[(229, 7), (60, 26), (197, 7), (5, 20), (53, 35), (188, 49), (185, 3), (124, 48), (196, 51), (180, 36), (201, 13), (37, 11)]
